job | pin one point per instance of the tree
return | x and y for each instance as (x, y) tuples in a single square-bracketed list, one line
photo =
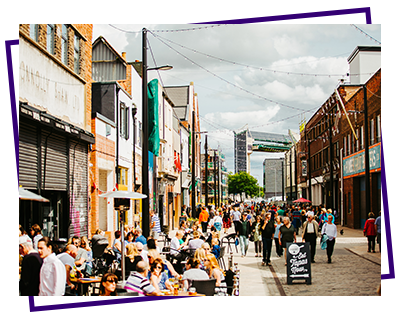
[(243, 182)]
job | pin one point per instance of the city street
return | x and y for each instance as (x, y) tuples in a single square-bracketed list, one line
[(353, 271)]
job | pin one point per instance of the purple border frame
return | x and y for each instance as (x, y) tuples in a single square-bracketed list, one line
[(335, 15)]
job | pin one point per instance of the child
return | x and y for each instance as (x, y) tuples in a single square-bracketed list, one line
[(216, 249)]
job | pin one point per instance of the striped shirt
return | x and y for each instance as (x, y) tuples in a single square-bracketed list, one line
[(137, 283), (156, 221)]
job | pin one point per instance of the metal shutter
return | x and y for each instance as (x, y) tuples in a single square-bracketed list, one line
[(54, 161), (78, 174), (28, 156)]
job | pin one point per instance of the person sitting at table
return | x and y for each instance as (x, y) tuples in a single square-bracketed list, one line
[(193, 272), (142, 251), (116, 247), (129, 238), (176, 247), (138, 281), (68, 259), (108, 285), (36, 235), (158, 277), (85, 245), (200, 255), (195, 243), (151, 244), (215, 272), (196, 227), (131, 259), (81, 256), (139, 237), (216, 249), (153, 254)]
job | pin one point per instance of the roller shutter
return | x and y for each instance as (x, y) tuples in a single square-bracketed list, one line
[(78, 174), (28, 156), (54, 156)]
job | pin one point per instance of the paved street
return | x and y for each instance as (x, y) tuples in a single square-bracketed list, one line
[(353, 271)]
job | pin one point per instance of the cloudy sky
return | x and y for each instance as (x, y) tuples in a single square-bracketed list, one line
[(265, 76)]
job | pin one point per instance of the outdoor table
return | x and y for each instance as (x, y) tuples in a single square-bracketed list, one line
[(84, 284), (181, 294)]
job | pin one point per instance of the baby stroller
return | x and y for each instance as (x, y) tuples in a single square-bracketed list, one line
[(102, 258)]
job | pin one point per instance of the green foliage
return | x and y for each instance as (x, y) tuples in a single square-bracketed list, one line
[(243, 182)]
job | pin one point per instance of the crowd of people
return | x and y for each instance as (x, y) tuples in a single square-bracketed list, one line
[(193, 253)]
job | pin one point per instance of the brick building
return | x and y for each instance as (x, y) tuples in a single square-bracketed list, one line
[(116, 122), (331, 151), (54, 125)]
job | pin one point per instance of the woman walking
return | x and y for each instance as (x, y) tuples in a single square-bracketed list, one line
[(370, 231), (226, 220), (286, 234), (330, 230), (278, 225), (257, 236)]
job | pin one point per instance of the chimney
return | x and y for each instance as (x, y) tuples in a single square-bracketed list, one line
[(124, 55)]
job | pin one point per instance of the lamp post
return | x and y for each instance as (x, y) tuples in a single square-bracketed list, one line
[(145, 142)]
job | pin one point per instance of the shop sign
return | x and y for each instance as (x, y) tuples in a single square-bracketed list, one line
[(355, 164)]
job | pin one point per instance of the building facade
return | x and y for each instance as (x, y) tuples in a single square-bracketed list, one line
[(54, 126)]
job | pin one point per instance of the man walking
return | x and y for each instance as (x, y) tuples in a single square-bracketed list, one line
[(244, 233), (267, 232), (310, 233), (236, 218)]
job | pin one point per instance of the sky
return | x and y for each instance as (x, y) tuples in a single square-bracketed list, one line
[(267, 77)]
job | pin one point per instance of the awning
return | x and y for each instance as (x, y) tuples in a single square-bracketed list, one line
[(27, 195)]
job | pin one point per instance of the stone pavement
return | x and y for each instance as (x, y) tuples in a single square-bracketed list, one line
[(353, 271)]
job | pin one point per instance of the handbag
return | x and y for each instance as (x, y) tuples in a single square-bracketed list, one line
[(251, 237), (324, 240)]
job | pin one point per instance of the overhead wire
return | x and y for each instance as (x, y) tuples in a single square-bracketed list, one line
[(227, 81), (343, 75)]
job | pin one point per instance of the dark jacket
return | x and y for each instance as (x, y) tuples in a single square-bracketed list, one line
[(269, 230), (30, 274), (241, 224)]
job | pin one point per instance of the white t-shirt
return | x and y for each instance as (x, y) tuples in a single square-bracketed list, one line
[(174, 246), (52, 277)]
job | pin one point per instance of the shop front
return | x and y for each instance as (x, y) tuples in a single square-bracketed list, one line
[(53, 162)]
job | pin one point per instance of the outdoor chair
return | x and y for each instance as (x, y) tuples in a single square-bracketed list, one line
[(220, 259), (206, 287), (229, 240)]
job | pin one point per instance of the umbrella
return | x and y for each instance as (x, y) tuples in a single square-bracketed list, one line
[(123, 195), (301, 200), (28, 195)]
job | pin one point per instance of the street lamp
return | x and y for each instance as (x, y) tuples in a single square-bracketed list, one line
[(145, 142)]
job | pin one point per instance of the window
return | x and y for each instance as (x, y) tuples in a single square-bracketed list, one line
[(378, 128), (34, 31), (50, 38), (372, 131), (349, 144), (358, 140), (140, 135), (344, 147), (362, 137), (122, 179), (124, 121), (76, 53), (64, 44)]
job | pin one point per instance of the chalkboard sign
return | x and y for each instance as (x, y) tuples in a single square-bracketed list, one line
[(298, 265)]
